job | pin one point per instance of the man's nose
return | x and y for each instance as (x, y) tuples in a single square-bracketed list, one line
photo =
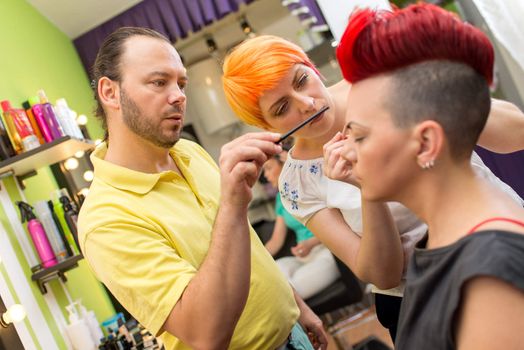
[(176, 96)]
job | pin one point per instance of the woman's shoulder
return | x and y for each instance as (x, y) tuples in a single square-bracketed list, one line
[(341, 87)]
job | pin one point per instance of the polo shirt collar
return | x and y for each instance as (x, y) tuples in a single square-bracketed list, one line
[(131, 180)]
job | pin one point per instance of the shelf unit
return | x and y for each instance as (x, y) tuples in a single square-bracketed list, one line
[(57, 271), (25, 165)]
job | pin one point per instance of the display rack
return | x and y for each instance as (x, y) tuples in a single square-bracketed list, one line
[(57, 271), (26, 164)]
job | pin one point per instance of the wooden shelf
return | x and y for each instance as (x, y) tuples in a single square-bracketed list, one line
[(57, 271), (45, 155)]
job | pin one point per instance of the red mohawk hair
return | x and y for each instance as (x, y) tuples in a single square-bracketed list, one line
[(378, 41)]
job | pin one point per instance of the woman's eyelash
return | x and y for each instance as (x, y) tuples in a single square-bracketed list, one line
[(281, 109), (302, 80)]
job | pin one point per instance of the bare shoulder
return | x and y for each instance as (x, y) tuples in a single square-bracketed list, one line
[(340, 89), (490, 315)]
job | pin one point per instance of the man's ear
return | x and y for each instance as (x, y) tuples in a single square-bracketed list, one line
[(431, 138), (109, 93)]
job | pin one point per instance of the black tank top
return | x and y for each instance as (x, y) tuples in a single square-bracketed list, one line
[(435, 278)]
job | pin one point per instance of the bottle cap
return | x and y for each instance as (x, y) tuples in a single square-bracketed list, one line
[(34, 100), (61, 102), (43, 97), (6, 105)]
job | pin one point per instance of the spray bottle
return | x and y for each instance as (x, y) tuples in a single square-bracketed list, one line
[(58, 208), (71, 216), (45, 216), (69, 249), (40, 241)]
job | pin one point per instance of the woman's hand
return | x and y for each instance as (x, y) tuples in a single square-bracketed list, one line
[(335, 166), (303, 248)]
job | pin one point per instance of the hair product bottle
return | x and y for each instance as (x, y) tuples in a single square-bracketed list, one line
[(45, 216), (60, 229), (58, 208), (38, 112), (29, 112), (38, 235), (50, 116), (6, 148), (67, 119), (22, 126), (71, 216), (9, 123)]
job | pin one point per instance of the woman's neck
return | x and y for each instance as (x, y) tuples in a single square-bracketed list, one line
[(454, 201)]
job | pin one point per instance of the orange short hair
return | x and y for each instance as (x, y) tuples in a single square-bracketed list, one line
[(254, 67)]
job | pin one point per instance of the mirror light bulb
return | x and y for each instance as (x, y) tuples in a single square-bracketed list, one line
[(15, 313), (82, 119), (71, 164), (89, 175)]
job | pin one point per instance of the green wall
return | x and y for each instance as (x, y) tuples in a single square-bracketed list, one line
[(34, 55)]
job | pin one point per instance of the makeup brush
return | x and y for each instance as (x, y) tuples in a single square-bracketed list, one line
[(304, 123)]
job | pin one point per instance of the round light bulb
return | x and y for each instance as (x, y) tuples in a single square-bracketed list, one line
[(15, 313), (71, 164), (89, 175), (79, 154), (82, 119), (84, 192)]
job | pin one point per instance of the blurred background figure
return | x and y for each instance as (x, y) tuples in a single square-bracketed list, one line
[(312, 267)]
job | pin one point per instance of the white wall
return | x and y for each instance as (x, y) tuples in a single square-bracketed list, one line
[(336, 12)]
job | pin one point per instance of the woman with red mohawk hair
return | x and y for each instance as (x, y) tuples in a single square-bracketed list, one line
[(271, 83), (418, 103)]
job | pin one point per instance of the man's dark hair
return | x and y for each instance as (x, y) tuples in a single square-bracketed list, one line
[(451, 93), (107, 63)]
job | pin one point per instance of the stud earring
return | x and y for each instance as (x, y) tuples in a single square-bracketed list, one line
[(428, 165)]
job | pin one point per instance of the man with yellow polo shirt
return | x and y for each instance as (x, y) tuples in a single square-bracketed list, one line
[(165, 229)]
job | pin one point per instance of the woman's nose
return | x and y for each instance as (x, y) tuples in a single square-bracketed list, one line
[(348, 151), (306, 104)]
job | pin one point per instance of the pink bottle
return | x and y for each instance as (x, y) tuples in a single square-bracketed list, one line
[(38, 112), (36, 230)]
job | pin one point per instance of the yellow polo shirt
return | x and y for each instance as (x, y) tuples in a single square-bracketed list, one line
[(145, 236)]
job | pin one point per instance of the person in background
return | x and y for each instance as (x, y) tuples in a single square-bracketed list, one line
[(272, 84), (465, 282), (165, 229), (312, 266)]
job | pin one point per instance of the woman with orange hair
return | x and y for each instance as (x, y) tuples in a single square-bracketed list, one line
[(465, 281), (271, 83)]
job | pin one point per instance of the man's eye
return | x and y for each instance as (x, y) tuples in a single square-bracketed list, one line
[(158, 83), (358, 139)]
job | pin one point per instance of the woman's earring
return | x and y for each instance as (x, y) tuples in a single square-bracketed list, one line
[(428, 165)]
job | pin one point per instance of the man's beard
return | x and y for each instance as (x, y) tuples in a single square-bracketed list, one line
[(144, 126)]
